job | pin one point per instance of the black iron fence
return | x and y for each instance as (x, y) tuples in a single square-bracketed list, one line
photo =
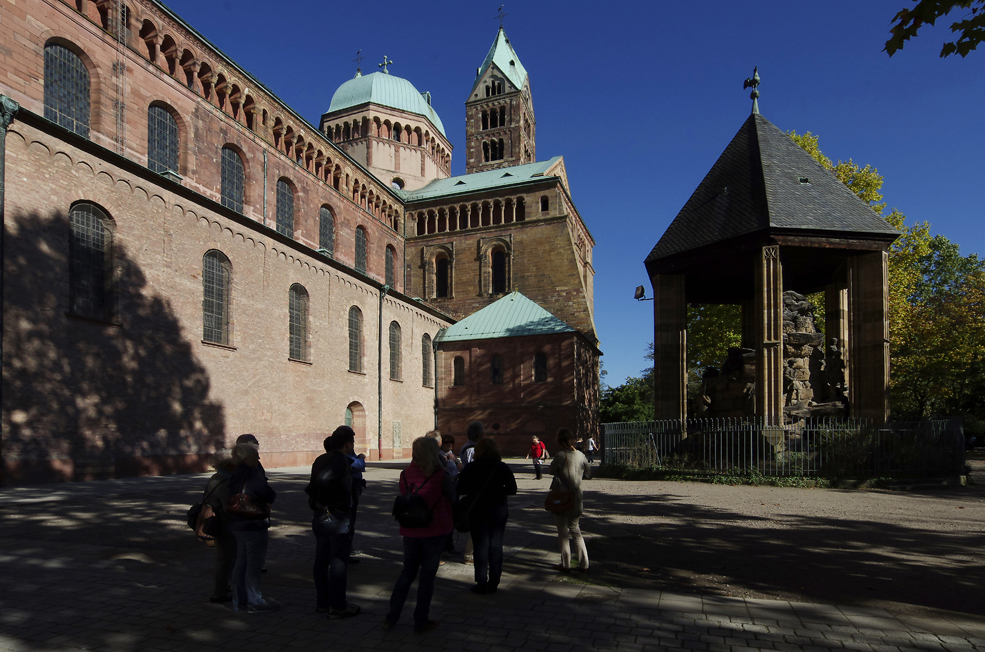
[(813, 448)]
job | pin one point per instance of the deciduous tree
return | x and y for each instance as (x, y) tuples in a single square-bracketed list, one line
[(970, 29)]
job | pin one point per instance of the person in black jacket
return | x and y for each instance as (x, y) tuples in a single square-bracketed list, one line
[(217, 495), (484, 484), (250, 531), (330, 498)]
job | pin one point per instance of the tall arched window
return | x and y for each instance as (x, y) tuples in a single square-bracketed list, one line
[(458, 377), (216, 284), (360, 249), (66, 89), (426, 376), (498, 271), (90, 262), (233, 179), (285, 209), (395, 356), (441, 289), (326, 230), (162, 140), (391, 264), (355, 339), (297, 308), (496, 370), (540, 367)]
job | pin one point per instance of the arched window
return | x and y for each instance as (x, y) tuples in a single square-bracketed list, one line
[(297, 307), (233, 179), (216, 284), (66, 89), (540, 367), (90, 262), (395, 351), (162, 140), (426, 376), (496, 370), (458, 377), (441, 289), (360, 249), (391, 264), (355, 339), (285, 209), (326, 230), (498, 271)]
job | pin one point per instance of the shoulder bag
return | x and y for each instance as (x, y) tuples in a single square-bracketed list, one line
[(559, 500)]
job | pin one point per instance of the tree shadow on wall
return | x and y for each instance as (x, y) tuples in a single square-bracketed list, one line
[(86, 399)]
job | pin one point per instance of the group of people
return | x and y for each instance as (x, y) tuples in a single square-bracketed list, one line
[(469, 490)]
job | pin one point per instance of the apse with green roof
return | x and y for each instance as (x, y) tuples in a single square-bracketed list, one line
[(380, 119)]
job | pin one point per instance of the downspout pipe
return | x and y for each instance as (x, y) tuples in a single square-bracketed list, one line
[(8, 109), (379, 375)]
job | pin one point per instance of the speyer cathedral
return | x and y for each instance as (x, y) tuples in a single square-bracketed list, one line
[(186, 259)]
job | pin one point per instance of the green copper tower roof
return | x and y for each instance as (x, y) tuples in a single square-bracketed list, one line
[(385, 89), (504, 56), (478, 181), (512, 316)]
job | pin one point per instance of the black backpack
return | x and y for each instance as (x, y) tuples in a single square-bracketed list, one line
[(411, 510)]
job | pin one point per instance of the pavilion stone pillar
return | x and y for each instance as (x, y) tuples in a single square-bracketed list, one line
[(769, 335), (669, 346), (868, 336), (836, 318)]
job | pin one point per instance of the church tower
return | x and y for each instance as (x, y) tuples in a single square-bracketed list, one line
[(499, 114)]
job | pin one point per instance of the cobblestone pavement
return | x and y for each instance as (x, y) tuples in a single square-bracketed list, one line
[(111, 566)]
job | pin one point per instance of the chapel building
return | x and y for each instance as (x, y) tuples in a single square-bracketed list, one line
[(187, 259)]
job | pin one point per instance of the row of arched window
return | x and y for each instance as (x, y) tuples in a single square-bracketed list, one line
[(92, 288), (396, 356), (415, 136), (67, 102), (494, 273), (494, 118), (494, 87), (471, 216), (496, 374)]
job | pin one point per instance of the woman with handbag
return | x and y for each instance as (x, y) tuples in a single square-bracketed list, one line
[(569, 467), (484, 485), (216, 496), (425, 477), (249, 508)]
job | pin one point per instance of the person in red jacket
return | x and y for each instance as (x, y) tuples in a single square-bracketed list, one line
[(538, 452), (423, 545)]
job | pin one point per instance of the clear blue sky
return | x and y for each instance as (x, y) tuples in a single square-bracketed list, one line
[(642, 97)]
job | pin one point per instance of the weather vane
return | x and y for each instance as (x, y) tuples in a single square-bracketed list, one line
[(753, 82), (501, 16), (386, 62), (359, 60)]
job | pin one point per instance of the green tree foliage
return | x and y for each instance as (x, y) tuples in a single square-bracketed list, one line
[(711, 330), (971, 28), (631, 401), (865, 182)]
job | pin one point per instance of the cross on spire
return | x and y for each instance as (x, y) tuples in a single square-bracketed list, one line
[(501, 16), (359, 60), (386, 62)]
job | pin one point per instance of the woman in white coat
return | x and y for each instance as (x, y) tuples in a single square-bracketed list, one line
[(569, 467)]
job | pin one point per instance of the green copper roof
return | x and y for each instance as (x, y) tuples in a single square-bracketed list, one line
[(385, 90), (504, 56), (480, 181), (512, 316)]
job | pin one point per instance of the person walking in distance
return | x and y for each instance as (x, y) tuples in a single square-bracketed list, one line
[(538, 453)]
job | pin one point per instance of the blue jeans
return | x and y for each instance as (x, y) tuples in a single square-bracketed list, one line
[(331, 560), (487, 541), (422, 554), (251, 552)]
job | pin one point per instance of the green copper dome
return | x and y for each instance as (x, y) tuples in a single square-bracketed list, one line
[(385, 90)]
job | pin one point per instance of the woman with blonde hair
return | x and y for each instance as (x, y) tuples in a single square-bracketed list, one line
[(423, 545), (569, 467)]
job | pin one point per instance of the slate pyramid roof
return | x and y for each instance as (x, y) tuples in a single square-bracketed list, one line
[(764, 181), (512, 316), (504, 56)]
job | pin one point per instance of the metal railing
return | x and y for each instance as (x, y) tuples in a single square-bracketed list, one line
[(816, 447)]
